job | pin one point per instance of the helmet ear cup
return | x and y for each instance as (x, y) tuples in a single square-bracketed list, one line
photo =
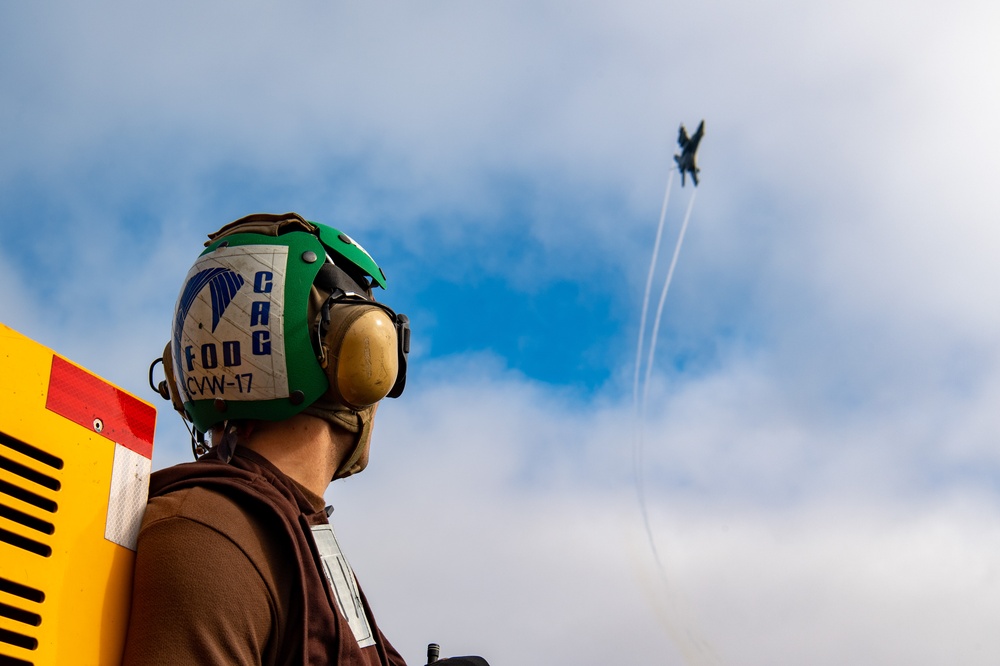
[(362, 354), (403, 338), (168, 387)]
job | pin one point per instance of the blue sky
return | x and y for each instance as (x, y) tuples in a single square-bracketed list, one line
[(819, 454)]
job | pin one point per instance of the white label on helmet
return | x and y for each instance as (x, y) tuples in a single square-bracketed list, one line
[(228, 338)]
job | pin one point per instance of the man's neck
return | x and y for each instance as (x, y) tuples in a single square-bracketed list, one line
[(305, 448)]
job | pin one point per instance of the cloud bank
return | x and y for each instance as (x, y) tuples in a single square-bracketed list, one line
[(819, 450)]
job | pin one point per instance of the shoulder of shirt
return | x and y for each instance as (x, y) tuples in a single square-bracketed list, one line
[(204, 505), (190, 574), (252, 531)]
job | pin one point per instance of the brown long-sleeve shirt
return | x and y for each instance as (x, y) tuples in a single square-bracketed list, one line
[(230, 569)]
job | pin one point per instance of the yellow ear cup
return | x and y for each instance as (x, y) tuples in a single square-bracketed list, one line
[(363, 358)]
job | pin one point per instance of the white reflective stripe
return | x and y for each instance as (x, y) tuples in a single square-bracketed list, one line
[(127, 499), (344, 584)]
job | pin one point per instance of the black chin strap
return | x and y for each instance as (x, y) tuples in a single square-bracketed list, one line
[(230, 438)]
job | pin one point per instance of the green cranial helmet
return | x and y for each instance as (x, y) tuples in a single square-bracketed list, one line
[(249, 324)]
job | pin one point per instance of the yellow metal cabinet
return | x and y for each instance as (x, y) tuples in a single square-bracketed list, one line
[(75, 456)]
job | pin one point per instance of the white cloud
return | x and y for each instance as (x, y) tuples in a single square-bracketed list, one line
[(500, 517)]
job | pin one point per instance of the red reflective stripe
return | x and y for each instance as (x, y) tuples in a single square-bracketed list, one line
[(82, 397)]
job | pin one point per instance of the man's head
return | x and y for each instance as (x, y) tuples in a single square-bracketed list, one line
[(277, 318)]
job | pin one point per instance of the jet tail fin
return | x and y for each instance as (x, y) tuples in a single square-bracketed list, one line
[(682, 137)]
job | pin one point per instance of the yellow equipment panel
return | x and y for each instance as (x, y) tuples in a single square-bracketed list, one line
[(75, 454)]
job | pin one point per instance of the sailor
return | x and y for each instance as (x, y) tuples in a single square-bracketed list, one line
[(279, 354)]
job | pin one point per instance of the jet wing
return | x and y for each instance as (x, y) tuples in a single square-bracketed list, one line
[(701, 130), (682, 137), (698, 134)]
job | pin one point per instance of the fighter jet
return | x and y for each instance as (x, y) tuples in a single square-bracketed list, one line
[(689, 147)]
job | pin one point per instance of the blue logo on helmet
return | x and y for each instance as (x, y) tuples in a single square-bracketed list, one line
[(224, 283)]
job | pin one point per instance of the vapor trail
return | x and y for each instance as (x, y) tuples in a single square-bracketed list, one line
[(637, 415), (640, 408), (679, 623), (649, 286), (663, 298)]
